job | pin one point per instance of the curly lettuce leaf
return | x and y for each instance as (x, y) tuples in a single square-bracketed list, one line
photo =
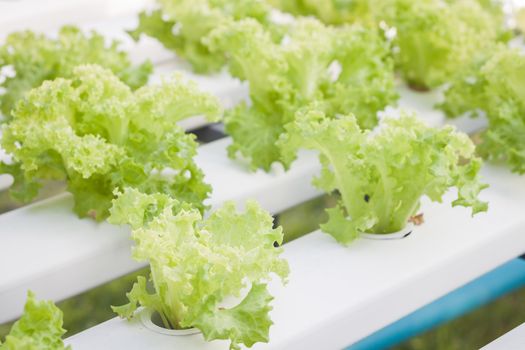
[(254, 57), (97, 134), (495, 88), (329, 11), (465, 94), (39, 328), (196, 263), (382, 176), (255, 134), (246, 323), (140, 296), (22, 189), (436, 39), (137, 209), (181, 40), (154, 25), (34, 58), (286, 76), (180, 25), (366, 82)]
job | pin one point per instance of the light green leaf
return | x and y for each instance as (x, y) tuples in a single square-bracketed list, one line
[(138, 295), (289, 75), (39, 328), (345, 229), (494, 87), (247, 323), (96, 133), (196, 263), (35, 58), (181, 25), (437, 39), (381, 177)]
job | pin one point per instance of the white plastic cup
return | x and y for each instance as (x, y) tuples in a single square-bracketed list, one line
[(406, 231), (145, 316)]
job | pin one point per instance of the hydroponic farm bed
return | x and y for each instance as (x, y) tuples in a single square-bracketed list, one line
[(364, 289), (335, 295)]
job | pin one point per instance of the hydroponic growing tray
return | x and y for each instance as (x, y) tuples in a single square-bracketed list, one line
[(335, 296)]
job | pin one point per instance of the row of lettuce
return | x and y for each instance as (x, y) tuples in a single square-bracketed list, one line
[(460, 46), (78, 111)]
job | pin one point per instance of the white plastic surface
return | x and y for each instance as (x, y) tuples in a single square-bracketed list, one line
[(337, 295), (46, 248), (50, 14), (513, 340), (109, 18)]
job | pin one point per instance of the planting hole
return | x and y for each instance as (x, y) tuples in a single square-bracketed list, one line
[(157, 320), (153, 321), (405, 232)]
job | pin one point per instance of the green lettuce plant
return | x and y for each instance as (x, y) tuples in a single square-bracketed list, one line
[(494, 87), (180, 26), (344, 69), (382, 175), (39, 328), (33, 58), (436, 39), (196, 263), (94, 132), (433, 39)]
